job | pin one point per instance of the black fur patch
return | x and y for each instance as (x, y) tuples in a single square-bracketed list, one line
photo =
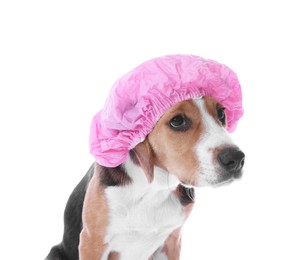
[(68, 248), (114, 176), (186, 195), (57, 253)]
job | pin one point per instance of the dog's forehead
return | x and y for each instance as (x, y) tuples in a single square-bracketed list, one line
[(193, 107), (183, 107)]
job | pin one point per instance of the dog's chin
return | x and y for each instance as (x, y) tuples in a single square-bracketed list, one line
[(219, 181), (227, 180), (222, 183)]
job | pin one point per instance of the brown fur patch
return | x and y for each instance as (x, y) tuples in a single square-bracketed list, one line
[(142, 155), (95, 220), (172, 245), (114, 256), (212, 106), (174, 150)]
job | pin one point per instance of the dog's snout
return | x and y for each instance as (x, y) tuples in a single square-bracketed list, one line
[(231, 159)]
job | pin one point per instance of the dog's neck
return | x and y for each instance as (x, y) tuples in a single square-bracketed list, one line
[(162, 181)]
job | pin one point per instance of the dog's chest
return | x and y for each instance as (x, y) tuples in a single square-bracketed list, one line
[(140, 223)]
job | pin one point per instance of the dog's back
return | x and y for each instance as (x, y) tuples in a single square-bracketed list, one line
[(68, 248)]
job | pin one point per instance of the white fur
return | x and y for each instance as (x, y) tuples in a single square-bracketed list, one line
[(142, 215), (159, 255), (214, 136)]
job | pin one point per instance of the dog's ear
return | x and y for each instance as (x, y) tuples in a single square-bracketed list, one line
[(143, 155)]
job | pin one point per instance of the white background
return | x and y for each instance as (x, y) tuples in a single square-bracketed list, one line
[(58, 60)]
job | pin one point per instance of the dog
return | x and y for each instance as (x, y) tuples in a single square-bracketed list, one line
[(137, 209)]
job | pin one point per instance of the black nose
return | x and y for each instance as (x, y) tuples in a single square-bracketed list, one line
[(231, 159)]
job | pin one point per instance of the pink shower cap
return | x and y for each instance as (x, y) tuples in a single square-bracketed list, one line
[(138, 100)]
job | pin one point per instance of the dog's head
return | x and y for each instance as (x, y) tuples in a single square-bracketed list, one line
[(190, 141)]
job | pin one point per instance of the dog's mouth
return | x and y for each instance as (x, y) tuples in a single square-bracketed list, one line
[(218, 178), (223, 183), (237, 175), (227, 178)]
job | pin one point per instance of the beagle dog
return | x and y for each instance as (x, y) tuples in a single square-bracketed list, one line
[(136, 210)]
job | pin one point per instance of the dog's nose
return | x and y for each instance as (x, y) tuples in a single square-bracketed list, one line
[(231, 159)]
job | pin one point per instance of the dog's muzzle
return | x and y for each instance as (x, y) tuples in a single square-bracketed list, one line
[(232, 161)]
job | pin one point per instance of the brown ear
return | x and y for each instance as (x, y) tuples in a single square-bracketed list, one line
[(144, 157)]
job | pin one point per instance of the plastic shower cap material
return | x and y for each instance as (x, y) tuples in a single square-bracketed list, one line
[(138, 100)]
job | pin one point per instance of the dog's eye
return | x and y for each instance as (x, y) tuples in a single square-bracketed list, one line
[(221, 115), (180, 123)]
